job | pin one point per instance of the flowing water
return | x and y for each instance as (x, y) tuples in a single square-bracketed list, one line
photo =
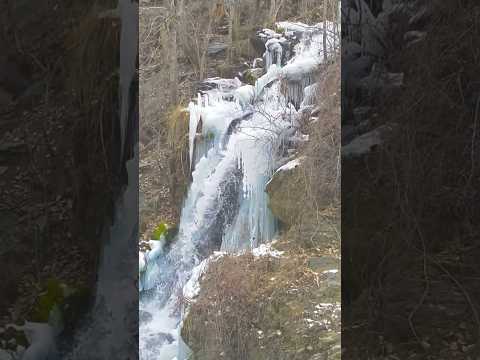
[(237, 135)]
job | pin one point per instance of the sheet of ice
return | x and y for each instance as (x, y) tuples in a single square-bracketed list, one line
[(245, 95), (310, 95), (141, 262), (161, 323), (269, 33), (295, 27), (273, 53), (302, 65), (268, 78), (309, 52), (224, 84)]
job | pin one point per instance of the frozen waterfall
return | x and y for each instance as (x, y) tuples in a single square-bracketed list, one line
[(236, 133)]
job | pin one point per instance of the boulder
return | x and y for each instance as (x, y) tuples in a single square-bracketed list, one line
[(285, 188), (144, 316)]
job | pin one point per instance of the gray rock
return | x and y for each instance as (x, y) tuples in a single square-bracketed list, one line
[(363, 144), (216, 48), (145, 316), (258, 63), (12, 343), (159, 339), (5, 355)]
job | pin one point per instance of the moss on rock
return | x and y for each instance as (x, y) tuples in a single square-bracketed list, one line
[(250, 76), (51, 296), (62, 304), (164, 231)]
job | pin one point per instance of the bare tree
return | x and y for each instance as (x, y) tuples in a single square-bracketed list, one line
[(233, 13), (275, 6), (194, 32), (174, 13)]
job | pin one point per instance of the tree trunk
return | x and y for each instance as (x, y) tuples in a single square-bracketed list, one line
[(325, 55), (173, 58), (231, 17)]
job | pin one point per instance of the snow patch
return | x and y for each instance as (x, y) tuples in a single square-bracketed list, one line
[(332, 271), (291, 164), (192, 287), (266, 250)]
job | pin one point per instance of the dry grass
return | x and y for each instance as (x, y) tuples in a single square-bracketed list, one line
[(251, 307), (322, 169)]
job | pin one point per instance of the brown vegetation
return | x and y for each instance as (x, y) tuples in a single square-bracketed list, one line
[(256, 308)]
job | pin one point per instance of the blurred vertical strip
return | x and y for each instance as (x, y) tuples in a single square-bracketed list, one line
[(68, 179), (410, 179)]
